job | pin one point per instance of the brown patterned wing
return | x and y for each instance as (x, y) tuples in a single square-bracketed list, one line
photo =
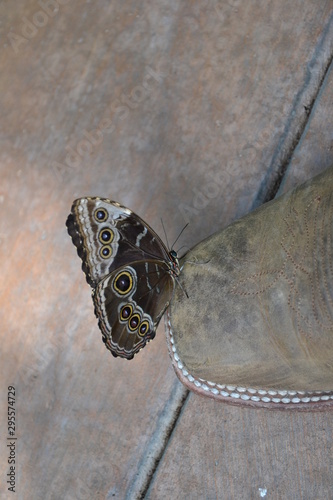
[(108, 236), (129, 304)]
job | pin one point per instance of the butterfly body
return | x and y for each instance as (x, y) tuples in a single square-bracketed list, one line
[(131, 271)]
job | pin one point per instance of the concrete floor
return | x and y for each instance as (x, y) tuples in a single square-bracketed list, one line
[(144, 103)]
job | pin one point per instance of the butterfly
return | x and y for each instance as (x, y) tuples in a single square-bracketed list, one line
[(131, 271)]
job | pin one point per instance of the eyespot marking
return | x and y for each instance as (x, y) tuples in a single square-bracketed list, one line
[(105, 252), (143, 328), (123, 282), (100, 214), (125, 312), (134, 322), (106, 236)]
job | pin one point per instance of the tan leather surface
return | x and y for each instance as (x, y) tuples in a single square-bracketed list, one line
[(260, 310)]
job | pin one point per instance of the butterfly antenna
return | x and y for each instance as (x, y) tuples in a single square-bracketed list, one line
[(179, 235), (183, 246), (166, 238)]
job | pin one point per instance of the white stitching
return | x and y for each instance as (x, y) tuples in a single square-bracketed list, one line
[(244, 393)]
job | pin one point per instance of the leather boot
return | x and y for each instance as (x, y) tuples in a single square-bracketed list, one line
[(257, 326)]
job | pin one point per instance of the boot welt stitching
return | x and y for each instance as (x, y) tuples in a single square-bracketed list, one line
[(246, 393)]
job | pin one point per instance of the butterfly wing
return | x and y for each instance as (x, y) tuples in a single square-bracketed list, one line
[(129, 303), (108, 236)]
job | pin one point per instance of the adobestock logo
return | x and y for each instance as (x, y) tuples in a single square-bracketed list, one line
[(215, 181), (223, 9), (210, 188), (30, 27), (120, 109)]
